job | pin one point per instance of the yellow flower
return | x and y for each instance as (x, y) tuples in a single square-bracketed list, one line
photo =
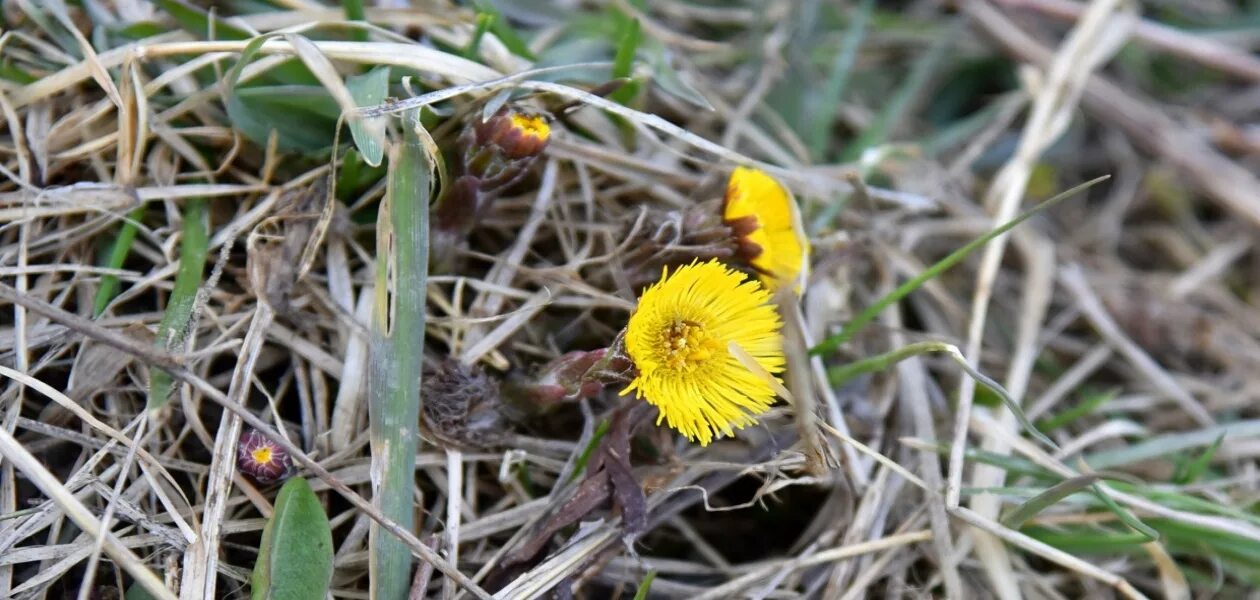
[(767, 226), (679, 339)]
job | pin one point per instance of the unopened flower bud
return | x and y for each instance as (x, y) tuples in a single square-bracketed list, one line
[(517, 135), (262, 458), (569, 377), (493, 155)]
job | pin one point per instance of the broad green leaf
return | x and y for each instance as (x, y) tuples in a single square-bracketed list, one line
[(295, 560), (299, 114)]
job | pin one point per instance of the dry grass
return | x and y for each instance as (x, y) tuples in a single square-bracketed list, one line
[(1121, 320)]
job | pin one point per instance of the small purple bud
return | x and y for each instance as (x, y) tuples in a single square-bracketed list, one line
[(262, 459)]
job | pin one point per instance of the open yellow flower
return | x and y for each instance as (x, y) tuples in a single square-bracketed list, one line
[(767, 227), (679, 338)]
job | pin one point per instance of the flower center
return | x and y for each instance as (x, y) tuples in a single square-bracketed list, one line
[(531, 126), (262, 455), (687, 345)]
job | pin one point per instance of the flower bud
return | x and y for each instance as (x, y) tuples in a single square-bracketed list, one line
[(262, 458), (569, 377), (517, 135), (493, 155)]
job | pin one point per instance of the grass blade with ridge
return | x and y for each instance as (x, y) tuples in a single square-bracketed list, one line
[(396, 354)]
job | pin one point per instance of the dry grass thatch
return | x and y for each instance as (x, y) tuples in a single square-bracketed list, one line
[(198, 210)]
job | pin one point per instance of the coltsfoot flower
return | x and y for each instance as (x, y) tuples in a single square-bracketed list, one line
[(767, 227), (679, 339)]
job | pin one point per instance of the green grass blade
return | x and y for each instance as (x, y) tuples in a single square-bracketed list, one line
[(177, 321), (645, 586), (355, 12), (197, 21), (623, 61), (295, 559), (503, 30), (1035, 505), (1090, 404), (580, 464), (895, 111), (1195, 469), (837, 81), (114, 258), (838, 376), (866, 316), (1170, 443), (484, 21), (397, 351)]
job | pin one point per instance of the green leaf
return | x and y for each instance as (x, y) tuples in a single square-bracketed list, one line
[(298, 114), (1170, 443), (16, 74), (396, 347), (295, 560), (197, 21), (177, 321), (503, 30), (627, 44), (912, 87), (140, 30), (369, 89), (355, 12), (580, 464), (484, 21), (666, 78), (137, 592), (1035, 505)]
